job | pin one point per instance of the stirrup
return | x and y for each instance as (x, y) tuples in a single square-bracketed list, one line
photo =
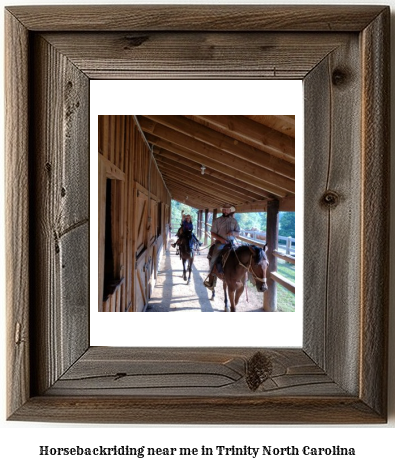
[(208, 285)]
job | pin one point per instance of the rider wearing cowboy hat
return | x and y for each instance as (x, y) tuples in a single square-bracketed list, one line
[(187, 226), (224, 229)]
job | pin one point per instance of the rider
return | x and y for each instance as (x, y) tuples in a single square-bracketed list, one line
[(186, 226), (224, 229)]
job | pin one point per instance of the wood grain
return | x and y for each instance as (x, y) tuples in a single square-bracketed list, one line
[(60, 202), (193, 17), (17, 213), (190, 385), (264, 138), (332, 220), (375, 207), (190, 55), (126, 157), (198, 410), (270, 297), (210, 372)]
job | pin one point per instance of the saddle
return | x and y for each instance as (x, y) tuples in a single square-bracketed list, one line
[(222, 257)]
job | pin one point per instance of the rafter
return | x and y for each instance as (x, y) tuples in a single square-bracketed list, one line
[(225, 167), (193, 135), (186, 190), (205, 187), (254, 134), (237, 183), (281, 123), (206, 180)]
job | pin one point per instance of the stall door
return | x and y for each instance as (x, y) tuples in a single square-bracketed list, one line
[(142, 256)]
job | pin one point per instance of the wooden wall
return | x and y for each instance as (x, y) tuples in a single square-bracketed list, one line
[(133, 196)]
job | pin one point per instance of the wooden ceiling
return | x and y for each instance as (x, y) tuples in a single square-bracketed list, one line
[(248, 160)]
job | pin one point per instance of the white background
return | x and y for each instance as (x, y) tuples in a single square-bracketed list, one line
[(204, 97), (19, 442)]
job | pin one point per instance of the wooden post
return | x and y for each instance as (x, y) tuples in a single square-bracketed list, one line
[(270, 296), (197, 224), (200, 221), (215, 212), (289, 244), (205, 226)]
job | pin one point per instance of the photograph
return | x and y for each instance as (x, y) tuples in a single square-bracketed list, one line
[(185, 201)]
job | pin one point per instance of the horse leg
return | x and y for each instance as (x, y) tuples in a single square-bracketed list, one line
[(239, 291), (184, 271), (190, 262), (226, 298), (214, 285), (232, 300)]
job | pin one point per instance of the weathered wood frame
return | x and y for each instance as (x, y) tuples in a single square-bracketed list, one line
[(341, 371)]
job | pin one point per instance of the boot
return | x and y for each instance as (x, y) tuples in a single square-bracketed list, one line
[(209, 283)]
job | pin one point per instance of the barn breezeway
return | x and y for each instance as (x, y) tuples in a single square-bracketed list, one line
[(171, 293), (145, 161)]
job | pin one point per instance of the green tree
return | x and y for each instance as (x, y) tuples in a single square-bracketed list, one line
[(250, 220), (176, 210), (287, 224)]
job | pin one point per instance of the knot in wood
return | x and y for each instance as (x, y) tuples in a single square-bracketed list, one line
[(330, 199), (259, 369), (339, 77), (135, 41)]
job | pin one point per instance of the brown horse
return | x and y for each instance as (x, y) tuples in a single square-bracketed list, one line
[(186, 253), (242, 261)]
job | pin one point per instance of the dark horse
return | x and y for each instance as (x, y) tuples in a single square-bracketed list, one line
[(246, 259), (186, 253)]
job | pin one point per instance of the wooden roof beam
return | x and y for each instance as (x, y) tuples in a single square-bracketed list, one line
[(254, 134), (260, 206), (235, 170), (269, 177), (287, 204), (189, 190), (193, 199), (194, 196), (236, 183), (184, 130), (282, 123), (181, 198), (196, 203), (212, 183), (209, 192), (209, 189)]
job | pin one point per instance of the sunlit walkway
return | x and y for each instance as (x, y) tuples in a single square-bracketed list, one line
[(171, 292)]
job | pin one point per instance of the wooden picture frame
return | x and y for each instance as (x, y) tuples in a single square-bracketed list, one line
[(340, 374)]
